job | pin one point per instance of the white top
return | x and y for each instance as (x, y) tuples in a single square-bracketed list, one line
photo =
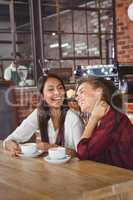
[(73, 129)]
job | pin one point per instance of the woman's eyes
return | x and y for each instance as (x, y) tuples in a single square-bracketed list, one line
[(81, 92), (59, 88), (50, 89)]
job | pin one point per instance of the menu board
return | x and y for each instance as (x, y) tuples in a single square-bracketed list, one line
[(8, 115)]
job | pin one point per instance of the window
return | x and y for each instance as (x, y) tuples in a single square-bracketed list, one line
[(78, 32), (15, 37), (72, 33)]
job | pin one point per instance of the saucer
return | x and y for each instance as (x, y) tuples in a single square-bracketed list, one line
[(37, 153), (57, 161)]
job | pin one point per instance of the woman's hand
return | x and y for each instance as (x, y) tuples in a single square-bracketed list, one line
[(12, 148), (100, 109), (44, 145), (71, 152)]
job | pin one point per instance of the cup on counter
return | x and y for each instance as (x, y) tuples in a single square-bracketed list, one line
[(56, 153), (28, 148)]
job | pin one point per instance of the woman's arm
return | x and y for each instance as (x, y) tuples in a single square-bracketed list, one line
[(22, 133), (99, 110), (92, 144), (91, 124)]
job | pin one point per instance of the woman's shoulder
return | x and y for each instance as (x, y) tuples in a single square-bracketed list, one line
[(120, 116), (111, 116), (34, 112), (32, 115), (73, 114)]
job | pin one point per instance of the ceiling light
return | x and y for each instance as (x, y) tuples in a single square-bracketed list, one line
[(130, 11), (53, 34), (54, 45)]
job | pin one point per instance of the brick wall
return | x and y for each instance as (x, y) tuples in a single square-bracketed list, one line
[(124, 33)]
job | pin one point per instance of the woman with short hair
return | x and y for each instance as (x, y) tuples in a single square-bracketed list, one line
[(108, 135)]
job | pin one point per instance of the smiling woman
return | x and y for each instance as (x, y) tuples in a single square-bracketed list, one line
[(54, 104), (108, 135), (57, 124)]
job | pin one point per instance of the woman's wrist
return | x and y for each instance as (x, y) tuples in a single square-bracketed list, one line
[(6, 144), (91, 124), (93, 118)]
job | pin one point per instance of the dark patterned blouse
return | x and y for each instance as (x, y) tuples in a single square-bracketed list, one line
[(111, 142)]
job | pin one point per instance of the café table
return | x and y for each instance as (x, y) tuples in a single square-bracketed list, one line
[(25, 178)]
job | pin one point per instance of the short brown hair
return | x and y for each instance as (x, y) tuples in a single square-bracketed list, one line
[(111, 94)]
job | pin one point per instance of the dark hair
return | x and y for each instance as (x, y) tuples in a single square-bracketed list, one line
[(110, 94), (44, 112)]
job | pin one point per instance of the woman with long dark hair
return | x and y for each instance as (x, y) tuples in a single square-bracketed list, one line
[(108, 135), (58, 125)]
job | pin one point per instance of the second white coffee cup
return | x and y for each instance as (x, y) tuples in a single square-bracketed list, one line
[(57, 153)]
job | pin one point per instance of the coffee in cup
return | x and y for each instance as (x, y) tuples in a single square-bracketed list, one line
[(56, 153), (28, 148)]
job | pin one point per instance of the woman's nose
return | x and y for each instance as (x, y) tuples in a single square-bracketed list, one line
[(56, 91)]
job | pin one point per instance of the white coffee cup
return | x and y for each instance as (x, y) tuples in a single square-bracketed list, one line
[(56, 153), (28, 148)]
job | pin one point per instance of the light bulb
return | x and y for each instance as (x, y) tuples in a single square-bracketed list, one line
[(130, 11)]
